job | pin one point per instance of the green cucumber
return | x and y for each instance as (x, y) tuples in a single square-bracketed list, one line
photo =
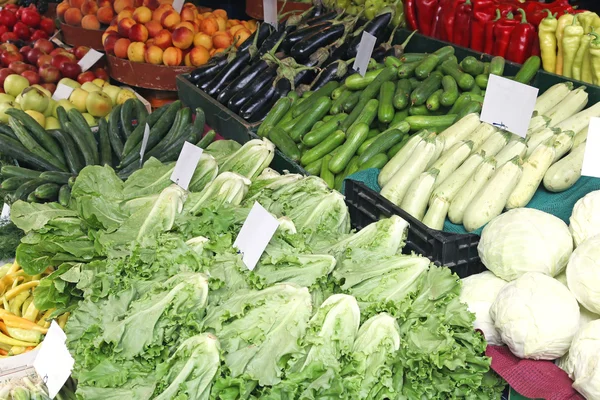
[(336, 106), (13, 183), (31, 145), (368, 113), (25, 189), (385, 112), (497, 65), (104, 142), (433, 102), (317, 111), (402, 94), (433, 122), (396, 148), (470, 108), (325, 173), (64, 195), (363, 147), (284, 142), (382, 143), (113, 132), (407, 70), (377, 161), (472, 66), (481, 80), (319, 133), (429, 63), (208, 138), (55, 177), (323, 148), (528, 70), (324, 91), (80, 124), (88, 156), (357, 134), (280, 108), (450, 94), (358, 82), (10, 171), (429, 86), (72, 153), (464, 80), (462, 100), (314, 168), (127, 110), (47, 191), (351, 102)]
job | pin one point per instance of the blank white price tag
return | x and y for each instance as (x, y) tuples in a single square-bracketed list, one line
[(53, 362), (90, 58), (255, 235), (508, 105), (363, 55), (178, 5), (62, 92), (144, 143), (5, 212), (270, 12), (591, 161), (186, 165)]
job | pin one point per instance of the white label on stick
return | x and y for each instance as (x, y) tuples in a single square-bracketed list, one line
[(591, 161), (186, 165), (270, 12), (144, 143), (255, 235), (363, 55), (178, 5), (53, 362), (90, 58), (5, 212), (62, 92), (508, 105)]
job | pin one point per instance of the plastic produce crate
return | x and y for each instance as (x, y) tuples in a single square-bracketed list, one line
[(456, 251)]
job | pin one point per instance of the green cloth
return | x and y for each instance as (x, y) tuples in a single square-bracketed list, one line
[(558, 204)]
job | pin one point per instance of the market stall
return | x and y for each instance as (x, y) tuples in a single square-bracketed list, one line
[(349, 200)]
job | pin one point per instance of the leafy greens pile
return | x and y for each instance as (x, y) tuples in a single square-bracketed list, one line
[(163, 306)]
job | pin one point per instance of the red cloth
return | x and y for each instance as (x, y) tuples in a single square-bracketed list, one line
[(530, 378)]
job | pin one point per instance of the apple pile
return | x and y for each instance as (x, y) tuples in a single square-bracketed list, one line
[(44, 64), (24, 23), (157, 34)]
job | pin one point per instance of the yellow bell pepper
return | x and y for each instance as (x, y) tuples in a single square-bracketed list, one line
[(578, 63), (547, 35), (571, 40), (563, 21)]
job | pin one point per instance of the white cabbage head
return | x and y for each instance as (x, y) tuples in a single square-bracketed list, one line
[(525, 240), (583, 274), (536, 316), (479, 292), (585, 219), (584, 360), (585, 315)]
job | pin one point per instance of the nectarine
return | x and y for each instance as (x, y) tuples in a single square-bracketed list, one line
[(202, 39), (240, 36), (124, 26), (136, 51), (73, 16), (124, 14), (172, 56), (222, 23), (198, 56), (186, 24), (182, 37), (220, 13), (105, 14), (109, 42), (153, 55), (61, 8), (121, 46), (90, 22), (163, 39), (170, 19), (188, 14), (142, 15), (76, 3), (138, 33), (89, 7), (158, 13), (209, 26), (221, 40), (153, 28), (119, 5)]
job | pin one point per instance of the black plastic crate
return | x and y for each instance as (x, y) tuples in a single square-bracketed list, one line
[(456, 251)]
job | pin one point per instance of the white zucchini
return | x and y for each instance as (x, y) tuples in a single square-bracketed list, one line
[(436, 214), (481, 134), (533, 172), (459, 203), (460, 130), (571, 105), (580, 120), (452, 185), (516, 147), (564, 143), (538, 138), (389, 170), (495, 143), (552, 97), (489, 202), (415, 201), (396, 187), (439, 149), (580, 137), (454, 158), (537, 123), (564, 174)]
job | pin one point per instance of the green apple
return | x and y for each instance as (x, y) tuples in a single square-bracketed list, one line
[(43, 89), (64, 103), (19, 98), (98, 104), (69, 82), (50, 109), (90, 87), (34, 99), (99, 82), (113, 92), (5, 98), (38, 116), (78, 99), (4, 107), (14, 84), (89, 118), (52, 123), (124, 95)]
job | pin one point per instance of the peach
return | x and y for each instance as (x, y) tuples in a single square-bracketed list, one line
[(240, 36), (124, 14), (188, 14), (186, 24), (104, 3), (149, 42), (172, 56), (153, 28), (112, 28), (76, 3), (220, 13), (221, 40), (138, 33), (170, 19), (153, 55), (163, 39), (170, 2), (151, 4), (121, 46), (109, 42), (89, 7), (202, 39), (124, 26), (182, 37), (136, 52), (234, 29), (73, 16), (158, 13), (105, 14), (187, 61), (222, 23), (61, 8), (199, 56), (90, 22), (142, 15), (119, 5), (209, 26), (207, 14), (190, 5), (138, 3)]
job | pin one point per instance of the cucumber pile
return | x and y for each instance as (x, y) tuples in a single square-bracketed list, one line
[(47, 162), (342, 128)]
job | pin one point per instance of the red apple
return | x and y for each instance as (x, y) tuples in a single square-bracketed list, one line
[(70, 70), (7, 36), (29, 67), (80, 51), (22, 31), (44, 45), (9, 47), (31, 76), (51, 87), (24, 50), (86, 76), (39, 34), (47, 25), (101, 73), (45, 59), (9, 56), (8, 18), (49, 74), (4, 72), (18, 66), (58, 50), (34, 55), (3, 29), (31, 17), (59, 60)]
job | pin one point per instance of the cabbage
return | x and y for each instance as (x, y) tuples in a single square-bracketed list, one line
[(536, 316), (525, 240), (585, 315), (251, 159), (584, 360), (479, 292), (585, 219), (583, 274)]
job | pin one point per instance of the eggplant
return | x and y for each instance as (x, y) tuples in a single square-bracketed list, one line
[(298, 35), (379, 53), (208, 70), (332, 72), (376, 27), (320, 18), (228, 73), (263, 31), (239, 83), (339, 53), (316, 60), (258, 100), (281, 88), (241, 97), (303, 49), (275, 39)]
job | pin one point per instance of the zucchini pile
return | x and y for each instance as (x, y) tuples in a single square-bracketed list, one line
[(342, 128), (49, 161)]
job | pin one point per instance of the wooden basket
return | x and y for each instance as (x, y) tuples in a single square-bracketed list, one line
[(148, 76), (77, 36)]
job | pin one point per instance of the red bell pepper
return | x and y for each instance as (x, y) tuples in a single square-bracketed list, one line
[(436, 29), (489, 33), (482, 14), (425, 14), (411, 14), (462, 24), (536, 17), (447, 17), (502, 33), (521, 40)]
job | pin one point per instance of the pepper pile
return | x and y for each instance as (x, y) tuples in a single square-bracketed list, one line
[(505, 28), (570, 45)]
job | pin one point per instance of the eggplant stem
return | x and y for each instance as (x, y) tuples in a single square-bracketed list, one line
[(253, 48), (281, 10)]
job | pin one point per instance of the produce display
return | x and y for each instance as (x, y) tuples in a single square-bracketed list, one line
[(160, 35), (24, 24), (369, 8)]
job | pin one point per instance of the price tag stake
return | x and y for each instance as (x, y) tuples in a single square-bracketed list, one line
[(255, 235), (178, 5), (363, 55), (90, 58), (186, 165), (5, 212), (62, 92), (270, 12), (144, 144)]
